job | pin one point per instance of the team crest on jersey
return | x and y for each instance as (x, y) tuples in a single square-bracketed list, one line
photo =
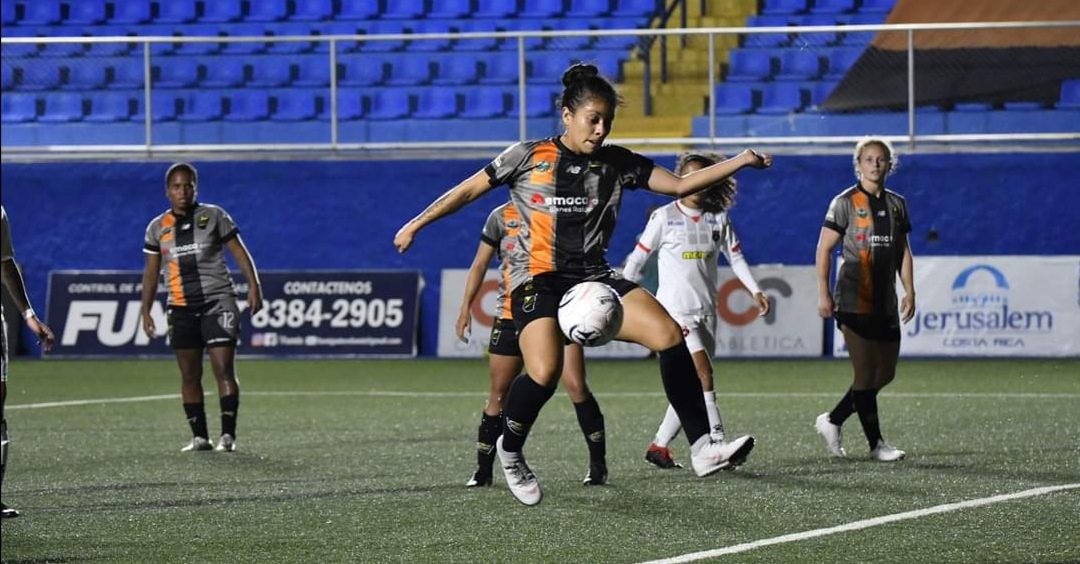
[(203, 221), (543, 166), (166, 231), (715, 235), (512, 224), (861, 212)]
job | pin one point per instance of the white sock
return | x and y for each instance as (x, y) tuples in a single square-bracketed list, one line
[(716, 425), (669, 428)]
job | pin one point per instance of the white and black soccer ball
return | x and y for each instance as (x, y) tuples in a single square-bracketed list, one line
[(590, 314)]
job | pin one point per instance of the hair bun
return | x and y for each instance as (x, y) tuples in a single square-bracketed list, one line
[(579, 72)]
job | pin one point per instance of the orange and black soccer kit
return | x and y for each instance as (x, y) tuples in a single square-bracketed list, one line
[(874, 231), (501, 232)]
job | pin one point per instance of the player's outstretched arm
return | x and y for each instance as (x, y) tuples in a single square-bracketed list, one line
[(665, 182), (454, 199)]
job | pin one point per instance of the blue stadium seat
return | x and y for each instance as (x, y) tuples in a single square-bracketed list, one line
[(771, 7), (364, 70), (130, 12), (484, 102), (165, 107), (351, 105), (202, 106), (781, 98), (126, 74), (876, 6), (312, 71), (766, 39), (404, 10), (495, 9), (615, 42), (248, 105), (296, 105), (589, 8), (542, 9), (199, 48), (40, 75), (425, 26), (439, 102), (1070, 95), (86, 12), (313, 11), (861, 38), (19, 108), (636, 8), (841, 59), (531, 43), (548, 67), (384, 28), (61, 49), (358, 10), (820, 91), (734, 98), (480, 43), (833, 6), (499, 68), (223, 73), (61, 108), (410, 71), (41, 13), (221, 11), (609, 63), (267, 11), (749, 65), (270, 72), (449, 9), (86, 74), (539, 101), (20, 50), (457, 70), (7, 12), (8, 76), (816, 38), (290, 47), (108, 107), (178, 73), (245, 47), (572, 43), (110, 49), (390, 103), (177, 11), (799, 65)]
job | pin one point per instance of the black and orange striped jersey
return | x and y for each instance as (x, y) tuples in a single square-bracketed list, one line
[(568, 203), (874, 231), (501, 232), (192, 254)]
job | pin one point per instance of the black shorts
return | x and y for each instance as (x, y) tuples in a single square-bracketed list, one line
[(539, 297), (215, 324), (504, 338), (872, 327)]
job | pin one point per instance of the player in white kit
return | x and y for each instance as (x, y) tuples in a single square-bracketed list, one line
[(688, 235)]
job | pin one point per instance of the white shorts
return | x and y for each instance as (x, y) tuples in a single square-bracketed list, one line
[(699, 332)]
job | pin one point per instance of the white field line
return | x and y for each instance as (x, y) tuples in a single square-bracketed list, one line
[(415, 394), (864, 524)]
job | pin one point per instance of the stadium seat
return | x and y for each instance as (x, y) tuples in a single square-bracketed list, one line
[(749, 65), (248, 105), (108, 106), (126, 74), (636, 8), (773, 7), (1070, 95), (86, 74), (111, 49), (589, 8), (41, 13), (384, 28), (40, 75), (799, 65), (841, 59), (390, 103), (7, 12), (734, 98), (876, 6), (457, 70), (19, 108), (178, 11), (312, 71), (404, 10), (8, 76), (358, 10), (296, 105), (766, 39), (439, 102), (410, 71), (290, 47), (484, 102), (615, 42), (202, 106), (531, 43), (267, 11), (480, 43), (178, 73), (499, 68), (449, 9), (245, 47), (85, 12), (833, 6), (539, 101), (313, 11), (165, 107), (425, 26), (495, 9), (816, 38), (270, 72), (351, 105), (571, 43), (861, 38), (609, 63), (820, 91), (542, 9), (362, 70), (781, 98), (61, 108), (221, 11), (224, 73), (200, 47), (20, 50), (130, 12), (61, 49), (548, 67)]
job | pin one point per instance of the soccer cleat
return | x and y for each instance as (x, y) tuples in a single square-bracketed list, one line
[(198, 443), (831, 433), (479, 479), (660, 456), (226, 444), (8, 512), (886, 453), (521, 481), (596, 476), (713, 456)]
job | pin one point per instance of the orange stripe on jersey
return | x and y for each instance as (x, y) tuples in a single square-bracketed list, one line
[(865, 304), (542, 257), (172, 277), (544, 157)]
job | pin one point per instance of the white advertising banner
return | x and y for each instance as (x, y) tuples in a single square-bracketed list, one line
[(792, 326), (483, 312), (1007, 306)]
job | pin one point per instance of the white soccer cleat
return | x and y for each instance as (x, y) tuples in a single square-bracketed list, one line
[(713, 456), (197, 444), (226, 444), (886, 453), (521, 481), (831, 433)]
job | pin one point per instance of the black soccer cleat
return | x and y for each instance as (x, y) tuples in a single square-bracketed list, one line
[(597, 475), (660, 457)]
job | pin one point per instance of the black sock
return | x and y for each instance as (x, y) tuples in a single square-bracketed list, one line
[(4, 455), (591, 420), (230, 405), (524, 401), (866, 405), (843, 409), (196, 417), (684, 390), (490, 428)]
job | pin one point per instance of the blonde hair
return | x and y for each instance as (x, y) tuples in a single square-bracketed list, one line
[(890, 152)]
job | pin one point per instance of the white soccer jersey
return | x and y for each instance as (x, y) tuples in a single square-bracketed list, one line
[(688, 243)]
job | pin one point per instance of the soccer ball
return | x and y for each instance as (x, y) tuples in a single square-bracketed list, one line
[(590, 314)]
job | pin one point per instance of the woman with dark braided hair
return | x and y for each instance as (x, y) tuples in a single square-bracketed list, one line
[(688, 235), (567, 190)]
